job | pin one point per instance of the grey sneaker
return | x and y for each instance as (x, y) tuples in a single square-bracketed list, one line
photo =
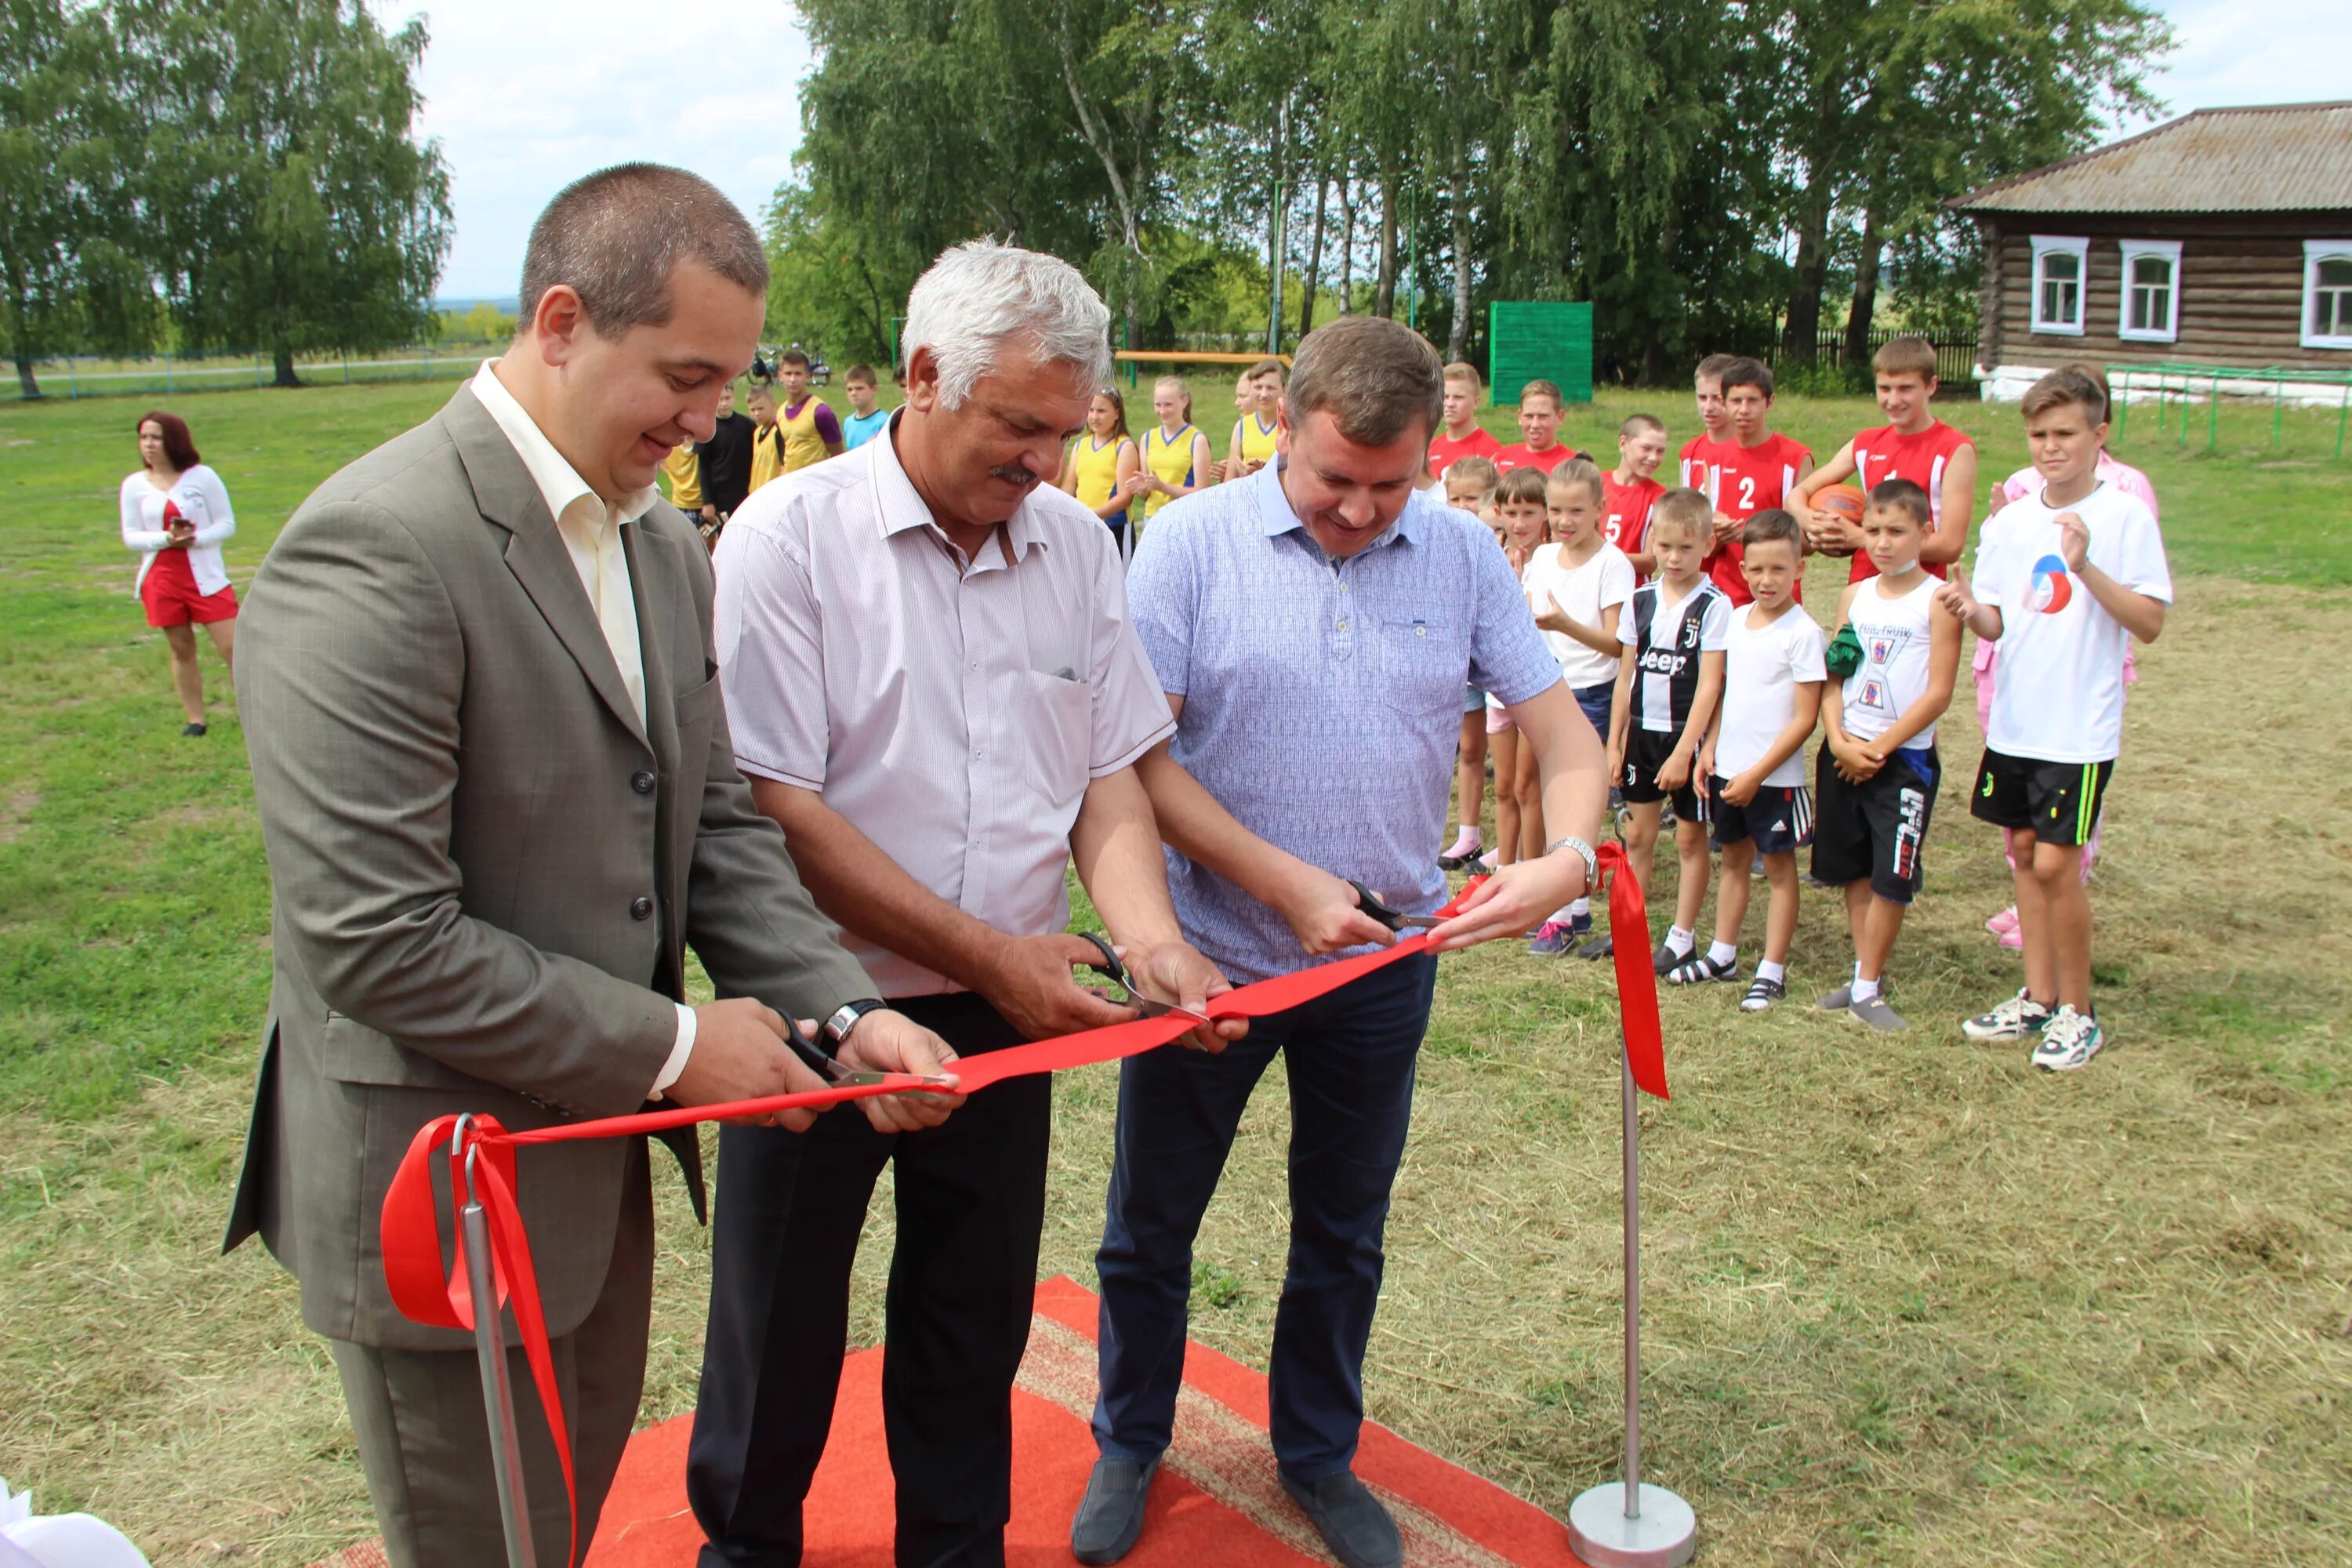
[(1838, 1001), (2021, 1018), (1355, 1526), (2068, 1041), (1110, 1515), (1878, 1015)]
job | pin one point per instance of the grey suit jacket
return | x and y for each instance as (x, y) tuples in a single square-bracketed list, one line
[(486, 872)]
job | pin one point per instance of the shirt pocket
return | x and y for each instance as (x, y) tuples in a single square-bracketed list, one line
[(1423, 664), (1054, 720)]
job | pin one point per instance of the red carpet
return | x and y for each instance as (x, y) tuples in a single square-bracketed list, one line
[(1216, 1501)]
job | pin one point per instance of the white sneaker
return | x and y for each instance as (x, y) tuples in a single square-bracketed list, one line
[(2014, 1019), (2068, 1041)]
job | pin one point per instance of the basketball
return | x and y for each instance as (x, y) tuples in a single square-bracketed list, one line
[(1843, 502)]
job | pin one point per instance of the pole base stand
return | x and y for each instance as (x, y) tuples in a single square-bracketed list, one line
[(1601, 1535)]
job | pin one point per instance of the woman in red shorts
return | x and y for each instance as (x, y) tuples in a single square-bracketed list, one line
[(175, 511)]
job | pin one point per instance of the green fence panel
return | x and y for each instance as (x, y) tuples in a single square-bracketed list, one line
[(1536, 340)]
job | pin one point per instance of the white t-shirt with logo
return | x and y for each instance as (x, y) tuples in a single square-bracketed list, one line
[(1892, 675), (1583, 592), (2058, 689), (1762, 668)]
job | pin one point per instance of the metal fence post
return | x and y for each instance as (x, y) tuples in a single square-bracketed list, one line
[(167, 372)]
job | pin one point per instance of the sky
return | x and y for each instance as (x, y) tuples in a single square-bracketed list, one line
[(712, 88)]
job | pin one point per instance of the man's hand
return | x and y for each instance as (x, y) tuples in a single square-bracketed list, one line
[(1030, 983), (710, 512), (1726, 527), (1175, 972), (1740, 789), (1954, 596), (1513, 900), (885, 1041), (1323, 915), (739, 1053), (1854, 765), (2073, 539), (1554, 619), (1676, 770)]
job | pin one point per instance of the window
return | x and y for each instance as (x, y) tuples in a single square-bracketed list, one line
[(2327, 293), (2150, 312), (2059, 264)]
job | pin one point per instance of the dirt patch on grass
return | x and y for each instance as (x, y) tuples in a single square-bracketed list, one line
[(17, 813)]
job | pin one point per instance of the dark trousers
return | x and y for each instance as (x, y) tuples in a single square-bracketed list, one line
[(971, 1201), (1350, 1059)]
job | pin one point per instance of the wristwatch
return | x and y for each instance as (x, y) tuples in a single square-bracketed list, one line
[(1591, 860), (835, 1029)]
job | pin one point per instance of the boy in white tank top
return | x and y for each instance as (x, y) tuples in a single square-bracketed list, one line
[(1876, 779)]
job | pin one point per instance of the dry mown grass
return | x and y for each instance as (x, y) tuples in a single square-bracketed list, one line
[(1910, 1301)]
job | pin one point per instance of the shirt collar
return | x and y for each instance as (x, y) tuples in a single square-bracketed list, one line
[(1275, 512), (899, 507), (560, 484)]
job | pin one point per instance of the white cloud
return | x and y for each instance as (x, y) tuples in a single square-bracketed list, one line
[(525, 95), (2285, 51)]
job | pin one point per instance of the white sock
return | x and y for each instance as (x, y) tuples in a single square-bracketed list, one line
[(1560, 916), (1865, 989), (1721, 953), (1469, 829), (1581, 909), (1768, 970), (1681, 940)]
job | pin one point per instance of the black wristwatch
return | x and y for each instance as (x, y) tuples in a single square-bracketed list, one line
[(835, 1029)]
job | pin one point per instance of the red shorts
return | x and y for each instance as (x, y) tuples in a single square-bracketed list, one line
[(170, 597)]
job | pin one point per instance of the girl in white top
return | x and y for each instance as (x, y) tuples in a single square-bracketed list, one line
[(175, 512)]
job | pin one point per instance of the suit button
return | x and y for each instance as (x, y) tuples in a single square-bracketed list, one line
[(643, 783), (642, 909)]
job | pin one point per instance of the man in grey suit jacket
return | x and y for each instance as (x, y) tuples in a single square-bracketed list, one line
[(500, 804)]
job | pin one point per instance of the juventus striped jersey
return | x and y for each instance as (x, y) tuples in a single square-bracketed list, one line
[(1666, 638)]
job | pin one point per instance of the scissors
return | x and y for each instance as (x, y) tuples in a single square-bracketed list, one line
[(1394, 918), (834, 1070), (1112, 965)]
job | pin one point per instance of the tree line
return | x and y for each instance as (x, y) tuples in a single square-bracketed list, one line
[(1706, 173), (210, 175)]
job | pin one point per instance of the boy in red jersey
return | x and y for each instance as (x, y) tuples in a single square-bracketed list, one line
[(1713, 420), (1912, 445), (1627, 492), (1538, 446), (1463, 437), (1754, 471)]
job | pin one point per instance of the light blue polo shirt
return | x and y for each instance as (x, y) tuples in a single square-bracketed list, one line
[(1322, 697)]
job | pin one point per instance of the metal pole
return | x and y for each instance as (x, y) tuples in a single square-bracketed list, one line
[(1626, 1524), (497, 1392)]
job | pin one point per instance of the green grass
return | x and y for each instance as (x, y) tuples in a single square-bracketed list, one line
[(1909, 1303)]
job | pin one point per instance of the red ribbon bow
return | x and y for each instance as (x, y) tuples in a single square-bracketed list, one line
[(425, 1293)]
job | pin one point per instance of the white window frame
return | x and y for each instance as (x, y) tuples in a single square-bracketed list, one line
[(2315, 251), (2079, 247), (2169, 251)]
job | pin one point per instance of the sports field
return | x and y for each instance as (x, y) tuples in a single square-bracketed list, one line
[(1910, 1302)]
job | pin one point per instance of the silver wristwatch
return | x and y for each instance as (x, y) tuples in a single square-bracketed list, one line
[(835, 1029), (1591, 860)]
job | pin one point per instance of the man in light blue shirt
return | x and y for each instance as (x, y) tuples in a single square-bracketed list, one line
[(1313, 625)]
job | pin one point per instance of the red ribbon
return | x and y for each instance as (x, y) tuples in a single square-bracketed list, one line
[(411, 1223)]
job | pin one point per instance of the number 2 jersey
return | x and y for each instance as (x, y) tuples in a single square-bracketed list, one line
[(1667, 636), (1743, 481)]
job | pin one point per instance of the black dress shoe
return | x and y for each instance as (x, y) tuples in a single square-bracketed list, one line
[(194, 727), (1355, 1526), (1110, 1516)]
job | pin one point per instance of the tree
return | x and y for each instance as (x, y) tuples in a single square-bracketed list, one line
[(288, 205)]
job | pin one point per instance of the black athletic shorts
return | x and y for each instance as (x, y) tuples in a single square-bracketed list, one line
[(1876, 829), (2058, 803), (1779, 817), (1646, 752)]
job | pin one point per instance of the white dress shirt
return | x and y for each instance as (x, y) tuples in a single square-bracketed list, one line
[(590, 531), (952, 709)]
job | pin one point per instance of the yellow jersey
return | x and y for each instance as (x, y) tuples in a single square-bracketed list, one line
[(1096, 467), (806, 437), (1170, 458), (683, 470), (1257, 440), (767, 456)]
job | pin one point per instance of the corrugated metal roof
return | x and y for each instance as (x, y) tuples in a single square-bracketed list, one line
[(2288, 157)]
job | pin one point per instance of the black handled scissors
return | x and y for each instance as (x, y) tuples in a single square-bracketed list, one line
[(1113, 966), (1394, 918), (834, 1070)]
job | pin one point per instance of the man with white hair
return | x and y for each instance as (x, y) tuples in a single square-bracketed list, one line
[(935, 690)]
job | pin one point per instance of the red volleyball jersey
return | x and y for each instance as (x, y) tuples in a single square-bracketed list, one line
[(1479, 443), (1886, 454), (1698, 460), (1625, 510), (1743, 481)]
